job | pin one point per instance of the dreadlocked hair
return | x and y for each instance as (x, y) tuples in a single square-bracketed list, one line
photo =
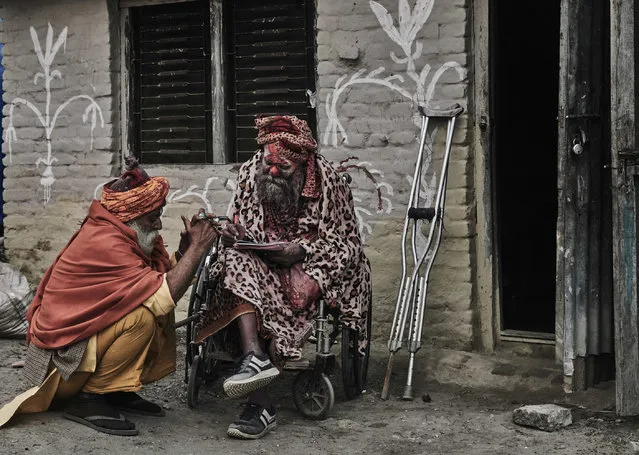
[(133, 176)]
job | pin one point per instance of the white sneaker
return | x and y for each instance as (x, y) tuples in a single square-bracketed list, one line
[(253, 373)]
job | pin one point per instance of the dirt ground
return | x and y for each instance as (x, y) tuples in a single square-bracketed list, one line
[(472, 398)]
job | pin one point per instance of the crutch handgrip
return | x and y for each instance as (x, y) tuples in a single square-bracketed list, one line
[(421, 213)]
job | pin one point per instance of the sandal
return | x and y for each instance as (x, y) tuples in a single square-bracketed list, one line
[(92, 410), (133, 403)]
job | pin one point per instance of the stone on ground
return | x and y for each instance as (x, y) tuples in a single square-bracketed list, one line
[(546, 417)]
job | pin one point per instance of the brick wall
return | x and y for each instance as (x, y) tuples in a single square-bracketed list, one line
[(362, 113), (374, 119), (35, 231)]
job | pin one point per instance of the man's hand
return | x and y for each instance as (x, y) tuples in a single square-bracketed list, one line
[(291, 254), (231, 233), (185, 240), (201, 234), (185, 237)]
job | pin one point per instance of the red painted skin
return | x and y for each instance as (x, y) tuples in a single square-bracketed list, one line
[(275, 165)]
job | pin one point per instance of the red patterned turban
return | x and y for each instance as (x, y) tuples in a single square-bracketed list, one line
[(290, 137), (135, 193)]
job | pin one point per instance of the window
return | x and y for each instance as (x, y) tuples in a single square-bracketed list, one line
[(271, 65), (262, 55), (170, 75)]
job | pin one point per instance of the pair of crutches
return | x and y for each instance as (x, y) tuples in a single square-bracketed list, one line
[(411, 296)]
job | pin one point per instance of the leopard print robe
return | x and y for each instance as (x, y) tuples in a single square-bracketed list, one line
[(327, 230)]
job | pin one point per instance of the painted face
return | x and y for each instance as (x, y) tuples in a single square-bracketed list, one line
[(281, 181), (277, 166)]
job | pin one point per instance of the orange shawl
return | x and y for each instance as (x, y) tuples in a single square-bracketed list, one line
[(98, 278)]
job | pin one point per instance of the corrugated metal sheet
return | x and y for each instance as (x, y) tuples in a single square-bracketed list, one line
[(585, 224)]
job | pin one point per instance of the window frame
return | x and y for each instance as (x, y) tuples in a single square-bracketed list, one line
[(220, 83), (216, 75)]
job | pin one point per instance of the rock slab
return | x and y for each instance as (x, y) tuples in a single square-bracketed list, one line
[(546, 417)]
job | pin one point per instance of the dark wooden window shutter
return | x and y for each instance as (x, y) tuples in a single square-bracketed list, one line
[(171, 83), (271, 65)]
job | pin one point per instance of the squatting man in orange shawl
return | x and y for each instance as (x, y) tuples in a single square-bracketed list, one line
[(286, 193), (101, 322)]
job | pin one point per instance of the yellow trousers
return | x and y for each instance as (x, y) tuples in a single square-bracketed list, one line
[(133, 351)]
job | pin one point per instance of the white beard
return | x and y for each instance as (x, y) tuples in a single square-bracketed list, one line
[(146, 238), (283, 194)]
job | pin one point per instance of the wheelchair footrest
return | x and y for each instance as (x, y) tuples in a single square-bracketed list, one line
[(301, 364), (324, 363)]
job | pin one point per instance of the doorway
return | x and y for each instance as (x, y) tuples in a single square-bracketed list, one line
[(524, 65)]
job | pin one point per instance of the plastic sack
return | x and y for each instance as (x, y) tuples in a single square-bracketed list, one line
[(15, 297)]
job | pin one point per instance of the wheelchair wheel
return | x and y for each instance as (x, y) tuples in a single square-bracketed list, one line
[(195, 303), (313, 394), (354, 364), (195, 381)]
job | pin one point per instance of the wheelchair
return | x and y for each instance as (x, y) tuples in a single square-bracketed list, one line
[(313, 392)]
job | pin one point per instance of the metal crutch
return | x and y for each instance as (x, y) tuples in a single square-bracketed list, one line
[(411, 296)]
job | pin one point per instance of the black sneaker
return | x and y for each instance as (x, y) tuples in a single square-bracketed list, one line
[(253, 423), (253, 373)]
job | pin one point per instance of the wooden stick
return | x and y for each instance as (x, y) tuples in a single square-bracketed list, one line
[(387, 378)]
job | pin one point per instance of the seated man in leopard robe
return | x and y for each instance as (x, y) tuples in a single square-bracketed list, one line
[(289, 194)]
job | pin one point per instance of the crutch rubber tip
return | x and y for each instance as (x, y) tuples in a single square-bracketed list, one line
[(408, 394)]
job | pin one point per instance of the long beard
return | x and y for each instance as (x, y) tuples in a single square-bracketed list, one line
[(281, 194), (146, 237)]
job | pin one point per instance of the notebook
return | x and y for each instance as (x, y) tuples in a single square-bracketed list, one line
[(249, 245)]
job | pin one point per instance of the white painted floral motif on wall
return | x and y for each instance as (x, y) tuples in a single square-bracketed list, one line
[(416, 86), (92, 112), (405, 36)]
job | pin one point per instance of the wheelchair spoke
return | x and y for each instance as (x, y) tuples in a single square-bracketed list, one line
[(313, 394), (318, 399)]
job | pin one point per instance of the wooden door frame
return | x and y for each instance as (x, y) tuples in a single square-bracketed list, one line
[(624, 146), (486, 271), (486, 276), (560, 279)]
